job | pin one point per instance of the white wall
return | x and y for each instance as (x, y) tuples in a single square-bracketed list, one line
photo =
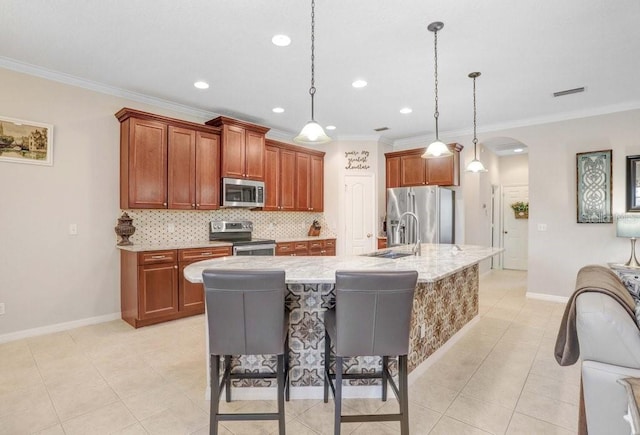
[(47, 276), (556, 255), (514, 170)]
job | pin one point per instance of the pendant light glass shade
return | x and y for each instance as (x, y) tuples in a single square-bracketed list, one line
[(312, 133), (437, 148), (475, 165)]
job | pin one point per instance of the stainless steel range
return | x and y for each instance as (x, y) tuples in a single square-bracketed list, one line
[(239, 233)]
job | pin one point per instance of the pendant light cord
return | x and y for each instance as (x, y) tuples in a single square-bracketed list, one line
[(312, 89), (475, 138), (435, 47)]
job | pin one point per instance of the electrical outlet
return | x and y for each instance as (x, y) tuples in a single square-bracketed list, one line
[(1, 308), (542, 227), (423, 330), (73, 229), (171, 227)]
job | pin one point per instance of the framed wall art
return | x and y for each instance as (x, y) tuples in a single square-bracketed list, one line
[(594, 187), (26, 142), (633, 183)]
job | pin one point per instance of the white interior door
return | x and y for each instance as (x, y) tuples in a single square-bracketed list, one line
[(515, 239), (360, 220)]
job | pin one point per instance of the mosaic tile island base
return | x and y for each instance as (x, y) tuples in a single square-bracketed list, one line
[(446, 299)]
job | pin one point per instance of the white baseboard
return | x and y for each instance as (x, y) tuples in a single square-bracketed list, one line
[(546, 297), (348, 391), (58, 327)]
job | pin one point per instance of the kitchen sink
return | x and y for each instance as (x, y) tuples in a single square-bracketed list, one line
[(389, 254)]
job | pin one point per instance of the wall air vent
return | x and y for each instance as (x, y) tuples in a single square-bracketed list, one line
[(381, 129), (568, 92)]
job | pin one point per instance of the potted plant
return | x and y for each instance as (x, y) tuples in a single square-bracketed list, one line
[(520, 209)]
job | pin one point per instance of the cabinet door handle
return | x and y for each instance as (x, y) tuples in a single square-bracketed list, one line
[(205, 253), (164, 203), (175, 267), (193, 206), (158, 256), (197, 205)]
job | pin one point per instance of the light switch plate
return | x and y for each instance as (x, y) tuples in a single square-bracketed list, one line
[(73, 229)]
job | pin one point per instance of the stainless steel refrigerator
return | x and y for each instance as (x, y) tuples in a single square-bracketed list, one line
[(434, 208)]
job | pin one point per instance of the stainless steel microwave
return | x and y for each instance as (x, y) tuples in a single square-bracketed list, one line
[(237, 192)]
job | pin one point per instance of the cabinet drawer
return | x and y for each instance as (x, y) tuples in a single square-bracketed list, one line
[(154, 257), (315, 245), (285, 248), (300, 246), (195, 254)]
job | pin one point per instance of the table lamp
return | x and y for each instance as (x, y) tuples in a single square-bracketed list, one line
[(629, 226)]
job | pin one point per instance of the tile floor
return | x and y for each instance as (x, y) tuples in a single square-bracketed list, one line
[(109, 378)]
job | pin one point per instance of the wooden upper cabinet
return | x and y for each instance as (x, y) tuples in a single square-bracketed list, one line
[(393, 172), (294, 179), (181, 167), (303, 182), (272, 178), (408, 168), (413, 170), (143, 164), (242, 151), (316, 180), (207, 171), (287, 180), (167, 163)]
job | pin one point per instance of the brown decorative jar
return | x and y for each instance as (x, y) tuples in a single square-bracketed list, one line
[(125, 229)]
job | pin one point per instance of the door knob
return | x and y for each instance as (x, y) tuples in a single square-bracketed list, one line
[(506, 232), (369, 235)]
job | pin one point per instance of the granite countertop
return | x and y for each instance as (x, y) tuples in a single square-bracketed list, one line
[(174, 245), (304, 239), (207, 244), (436, 262)]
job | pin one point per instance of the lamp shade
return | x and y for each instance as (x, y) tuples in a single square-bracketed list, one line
[(476, 166), (311, 134), (436, 149), (628, 226)]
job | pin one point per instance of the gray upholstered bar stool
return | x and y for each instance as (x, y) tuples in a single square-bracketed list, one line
[(246, 316), (372, 317)]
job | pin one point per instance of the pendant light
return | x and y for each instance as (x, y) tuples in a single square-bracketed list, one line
[(312, 133), (436, 148), (475, 165)]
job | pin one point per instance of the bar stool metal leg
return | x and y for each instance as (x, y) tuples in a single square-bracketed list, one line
[(338, 396), (327, 353), (385, 371), (281, 388), (215, 394), (227, 370), (404, 394)]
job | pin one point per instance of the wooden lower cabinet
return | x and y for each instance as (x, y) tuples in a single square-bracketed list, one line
[(314, 247), (153, 288), (382, 242)]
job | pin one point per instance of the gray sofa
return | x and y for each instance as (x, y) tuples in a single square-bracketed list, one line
[(609, 346)]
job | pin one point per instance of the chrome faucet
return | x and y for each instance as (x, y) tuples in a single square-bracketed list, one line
[(416, 247)]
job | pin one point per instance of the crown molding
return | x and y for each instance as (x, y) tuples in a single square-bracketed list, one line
[(68, 79)]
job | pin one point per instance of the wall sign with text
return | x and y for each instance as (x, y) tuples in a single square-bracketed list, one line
[(356, 160)]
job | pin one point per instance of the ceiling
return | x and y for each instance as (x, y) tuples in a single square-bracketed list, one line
[(525, 49)]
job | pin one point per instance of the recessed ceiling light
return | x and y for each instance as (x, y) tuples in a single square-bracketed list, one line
[(406, 110), (281, 40), (517, 150), (277, 110), (359, 84), (201, 85), (330, 127)]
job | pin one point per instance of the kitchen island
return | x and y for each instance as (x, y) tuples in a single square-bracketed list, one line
[(446, 299)]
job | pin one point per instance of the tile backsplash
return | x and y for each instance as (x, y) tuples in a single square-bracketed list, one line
[(169, 226)]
